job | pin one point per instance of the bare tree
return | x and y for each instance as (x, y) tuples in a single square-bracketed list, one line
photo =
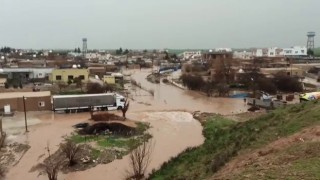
[(125, 109), (139, 161), (70, 149), (50, 167)]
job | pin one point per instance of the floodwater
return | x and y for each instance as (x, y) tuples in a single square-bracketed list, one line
[(169, 97), (172, 129)]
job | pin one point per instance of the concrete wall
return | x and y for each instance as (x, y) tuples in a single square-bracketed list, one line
[(32, 103), (65, 73)]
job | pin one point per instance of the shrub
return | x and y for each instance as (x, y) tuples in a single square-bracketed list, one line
[(267, 85), (6, 85), (193, 82), (287, 83), (94, 88)]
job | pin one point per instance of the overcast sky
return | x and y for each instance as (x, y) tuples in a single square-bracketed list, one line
[(140, 24)]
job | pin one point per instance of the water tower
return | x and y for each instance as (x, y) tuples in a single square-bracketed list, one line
[(84, 46), (310, 43)]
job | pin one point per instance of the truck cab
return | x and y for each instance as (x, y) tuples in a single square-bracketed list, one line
[(120, 100)]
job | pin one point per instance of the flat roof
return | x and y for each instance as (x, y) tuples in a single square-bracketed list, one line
[(279, 69), (9, 95)]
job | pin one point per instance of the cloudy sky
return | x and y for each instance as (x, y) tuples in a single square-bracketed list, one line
[(139, 24)]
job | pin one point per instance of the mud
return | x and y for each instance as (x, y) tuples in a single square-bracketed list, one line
[(114, 128)]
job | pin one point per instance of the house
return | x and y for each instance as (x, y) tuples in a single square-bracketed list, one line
[(3, 82), (35, 101), (242, 55), (99, 71), (295, 51), (26, 74), (65, 75), (109, 79), (210, 57), (191, 54)]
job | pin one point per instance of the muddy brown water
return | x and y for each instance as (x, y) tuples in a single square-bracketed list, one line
[(168, 97), (172, 130)]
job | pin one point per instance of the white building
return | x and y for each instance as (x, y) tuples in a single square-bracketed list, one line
[(223, 50), (191, 54), (295, 51), (242, 55), (92, 55), (279, 52), (27, 73)]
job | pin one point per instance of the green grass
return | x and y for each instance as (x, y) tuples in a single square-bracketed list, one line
[(112, 142), (225, 138)]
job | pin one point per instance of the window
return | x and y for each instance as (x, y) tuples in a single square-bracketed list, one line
[(70, 77), (41, 104), (302, 51), (122, 100), (81, 77), (58, 78)]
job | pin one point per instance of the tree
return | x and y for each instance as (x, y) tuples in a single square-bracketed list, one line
[(287, 83), (145, 51), (79, 51), (6, 85), (310, 52), (50, 167), (78, 82), (95, 88), (70, 149), (61, 85), (139, 160), (69, 82), (75, 50), (126, 51), (193, 82), (125, 109)]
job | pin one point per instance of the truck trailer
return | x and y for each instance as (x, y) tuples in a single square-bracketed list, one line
[(82, 102)]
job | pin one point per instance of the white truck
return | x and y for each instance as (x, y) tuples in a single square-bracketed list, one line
[(84, 102)]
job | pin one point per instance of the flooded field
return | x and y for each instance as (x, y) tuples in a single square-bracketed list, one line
[(168, 112)]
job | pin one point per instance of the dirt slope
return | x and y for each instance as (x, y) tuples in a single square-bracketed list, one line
[(293, 157)]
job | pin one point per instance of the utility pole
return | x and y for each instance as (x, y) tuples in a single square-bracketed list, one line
[(25, 113)]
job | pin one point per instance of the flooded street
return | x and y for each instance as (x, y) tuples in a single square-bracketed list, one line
[(168, 112), (168, 97)]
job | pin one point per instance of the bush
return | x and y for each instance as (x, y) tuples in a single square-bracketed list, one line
[(287, 83), (193, 82), (6, 85), (165, 80), (267, 85), (95, 88)]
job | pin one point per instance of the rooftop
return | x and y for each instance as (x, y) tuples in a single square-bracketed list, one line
[(10, 95)]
